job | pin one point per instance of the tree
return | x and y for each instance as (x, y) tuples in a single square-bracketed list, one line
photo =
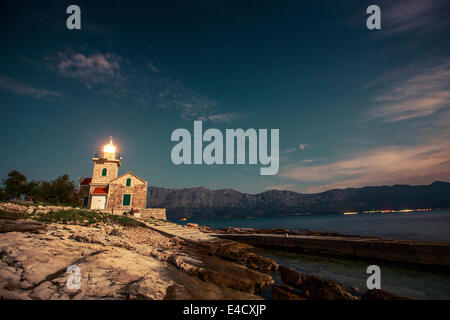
[(33, 191), (15, 185), (61, 191), (2, 195)]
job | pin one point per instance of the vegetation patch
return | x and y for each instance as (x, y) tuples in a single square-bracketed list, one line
[(125, 221), (86, 217), (72, 216)]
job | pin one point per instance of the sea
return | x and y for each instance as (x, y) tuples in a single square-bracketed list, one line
[(411, 282)]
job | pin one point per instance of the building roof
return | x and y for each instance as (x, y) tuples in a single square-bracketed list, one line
[(86, 182), (99, 190), (122, 175)]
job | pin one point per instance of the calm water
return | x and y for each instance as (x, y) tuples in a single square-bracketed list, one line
[(409, 282), (427, 226)]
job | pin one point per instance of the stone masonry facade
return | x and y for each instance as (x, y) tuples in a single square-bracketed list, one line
[(112, 171), (137, 191)]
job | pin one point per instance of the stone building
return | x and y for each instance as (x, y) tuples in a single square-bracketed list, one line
[(107, 191)]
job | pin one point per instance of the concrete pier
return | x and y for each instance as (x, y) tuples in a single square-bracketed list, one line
[(404, 251)]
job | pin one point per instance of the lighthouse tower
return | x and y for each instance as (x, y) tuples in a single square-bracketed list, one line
[(106, 190), (106, 165), (106, 169)]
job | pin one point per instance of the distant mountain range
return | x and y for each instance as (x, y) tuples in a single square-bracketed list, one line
[(228, 203)]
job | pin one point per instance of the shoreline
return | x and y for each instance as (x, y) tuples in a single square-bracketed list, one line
[(422, 254), (133, 258)]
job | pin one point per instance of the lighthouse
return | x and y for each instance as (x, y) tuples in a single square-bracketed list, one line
[(106, 165), (108, 191)]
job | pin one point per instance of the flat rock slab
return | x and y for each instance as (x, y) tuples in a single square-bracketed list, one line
[(183, 232), (21, 226), (114, 263)]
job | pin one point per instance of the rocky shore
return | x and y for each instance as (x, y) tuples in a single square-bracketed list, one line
[(119, 260)]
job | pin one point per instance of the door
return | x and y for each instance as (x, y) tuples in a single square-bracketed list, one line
[(85, 202), (126, 200), (98, 202)]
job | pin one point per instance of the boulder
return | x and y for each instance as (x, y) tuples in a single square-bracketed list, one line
[(314, 287), (240, 253), (285, 293), (21, 226)]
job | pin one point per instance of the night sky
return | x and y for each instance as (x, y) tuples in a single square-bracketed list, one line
[(355, 107)]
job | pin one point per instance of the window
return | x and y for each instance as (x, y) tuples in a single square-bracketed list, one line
[(128, 182), (126, 200), (104, 172)]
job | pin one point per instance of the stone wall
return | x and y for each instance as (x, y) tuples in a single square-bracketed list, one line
[(157, 213), (144, 213), (137, 190), (33, 209), (112, 171)]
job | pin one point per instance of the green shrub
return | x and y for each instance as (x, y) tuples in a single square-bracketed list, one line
[(74, 216), (125, 221)]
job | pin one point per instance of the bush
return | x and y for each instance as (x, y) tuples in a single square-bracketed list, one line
[(125, 221), (86, 217), (74, 216)]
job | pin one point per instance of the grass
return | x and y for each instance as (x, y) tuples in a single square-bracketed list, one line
[(125, 221), (73, 216)]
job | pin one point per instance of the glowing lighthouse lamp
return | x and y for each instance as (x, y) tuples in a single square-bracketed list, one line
[(109, 151), (110, 147)]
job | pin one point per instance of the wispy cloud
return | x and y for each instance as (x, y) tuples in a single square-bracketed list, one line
[(288, 150), (303, 146), (91, 70), (21, 88), (152, 67), (382, 166), (419, 16), (193, 107), (224, 117), (116, 76), (190, 104), (423, 93)]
